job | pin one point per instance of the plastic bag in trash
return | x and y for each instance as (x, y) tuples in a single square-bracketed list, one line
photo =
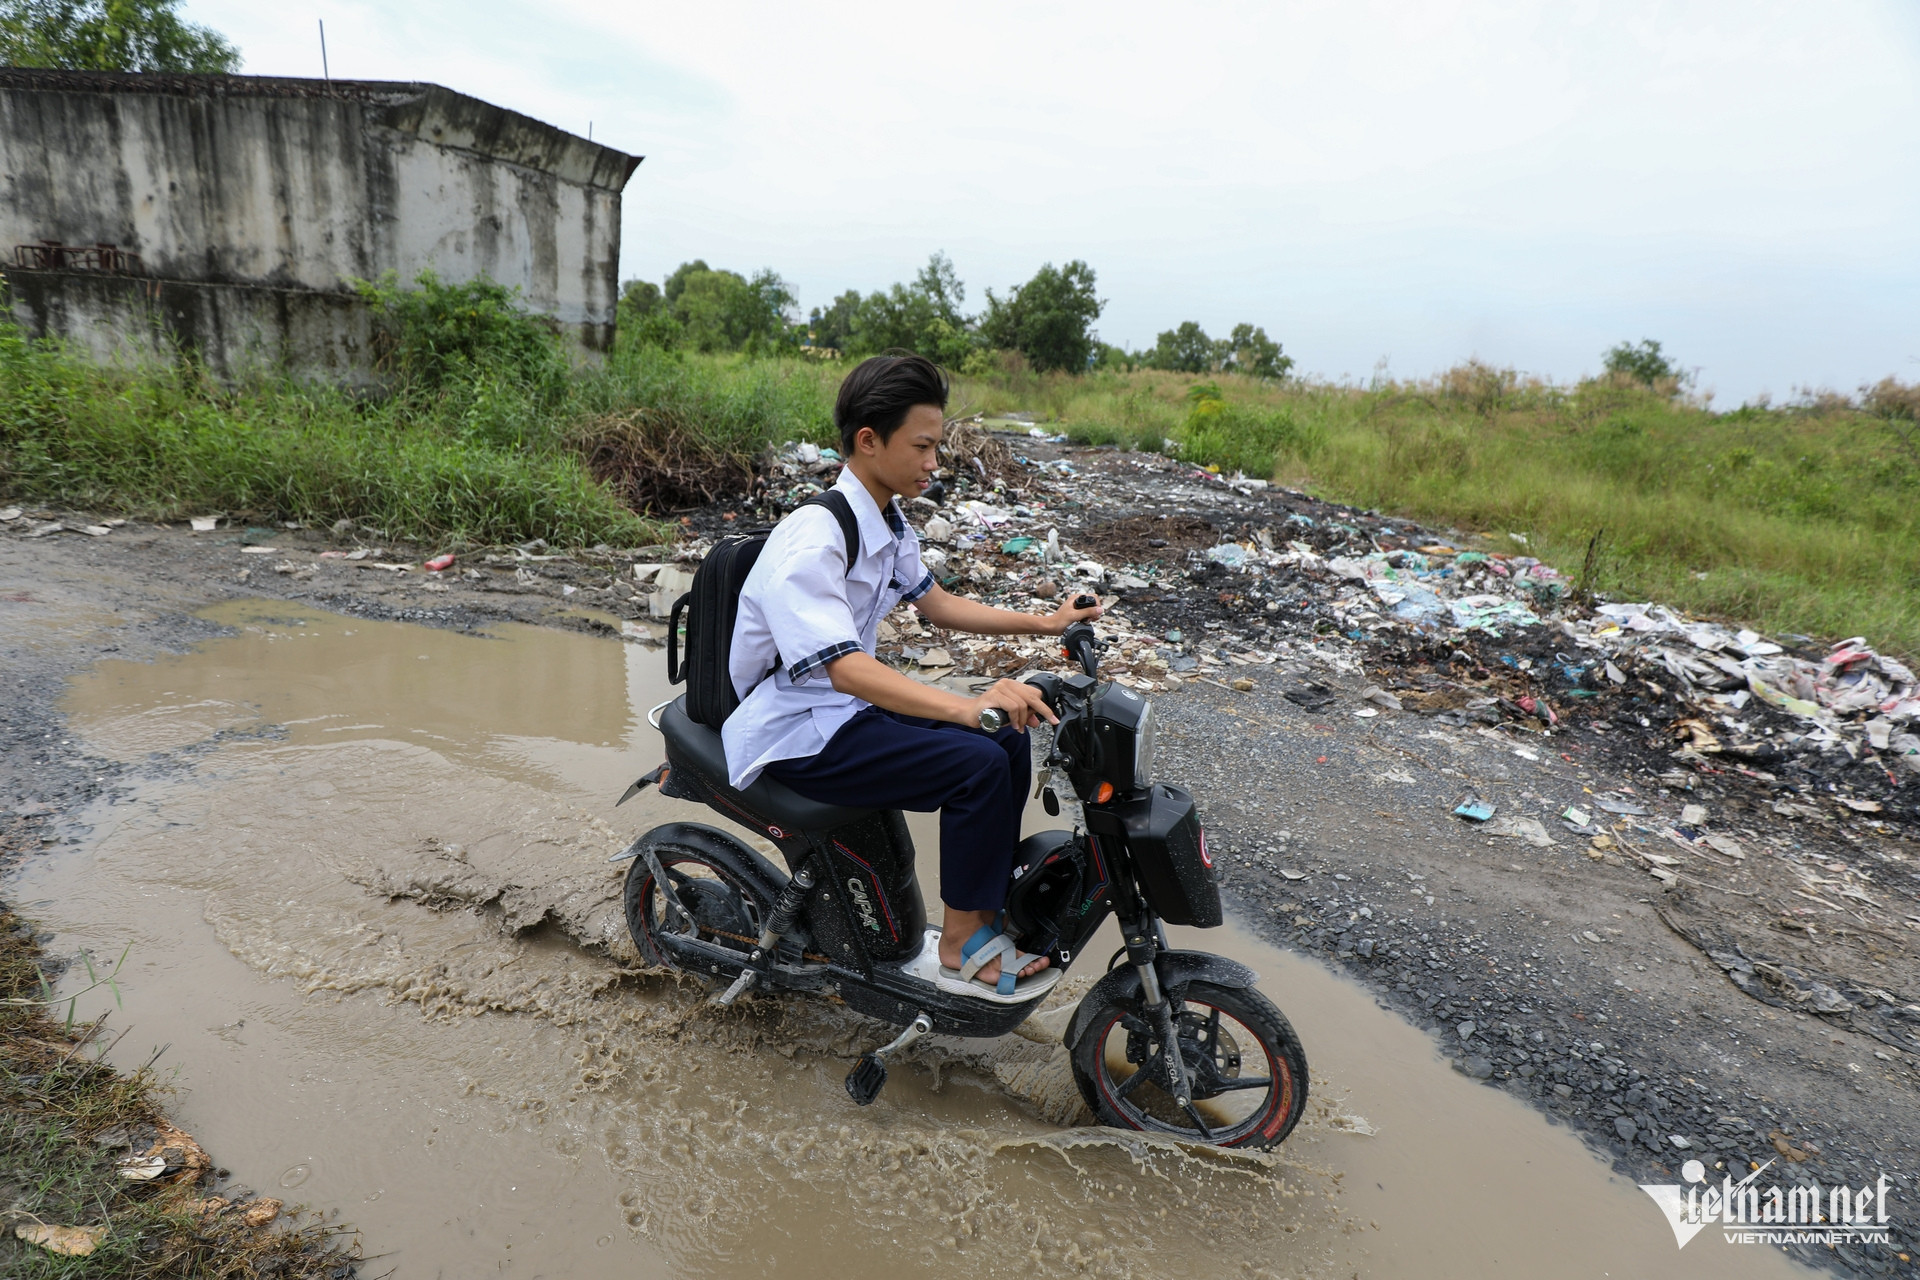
[(1411, 602), (1488, 613), (1229, 554)]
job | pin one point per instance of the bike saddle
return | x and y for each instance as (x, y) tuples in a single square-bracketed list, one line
[(700, 749)]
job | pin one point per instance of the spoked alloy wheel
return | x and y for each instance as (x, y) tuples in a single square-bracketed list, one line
[(724, 909), (1244, 1063)]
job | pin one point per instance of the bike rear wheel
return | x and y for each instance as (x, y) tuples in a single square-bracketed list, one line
[(722, 907), (1244, 1064)]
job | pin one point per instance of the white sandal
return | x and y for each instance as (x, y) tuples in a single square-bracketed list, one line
[(980, 950)]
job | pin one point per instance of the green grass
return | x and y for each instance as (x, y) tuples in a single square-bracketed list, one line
[(474, 457), (475, 464), (1802, 519)]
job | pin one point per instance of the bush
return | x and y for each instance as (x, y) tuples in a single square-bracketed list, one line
[(1242, 437), (435, 333), (1644, 363)]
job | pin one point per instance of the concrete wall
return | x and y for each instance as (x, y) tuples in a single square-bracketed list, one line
[(230, 184)]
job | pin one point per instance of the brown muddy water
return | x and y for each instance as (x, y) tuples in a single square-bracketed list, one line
[(366, 884)]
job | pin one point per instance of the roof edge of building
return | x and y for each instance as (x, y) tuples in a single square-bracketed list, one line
[(439, 115)]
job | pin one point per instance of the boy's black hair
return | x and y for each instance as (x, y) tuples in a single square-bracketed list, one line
[(880, 391)]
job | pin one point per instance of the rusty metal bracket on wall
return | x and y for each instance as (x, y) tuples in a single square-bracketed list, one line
[(50, 255)]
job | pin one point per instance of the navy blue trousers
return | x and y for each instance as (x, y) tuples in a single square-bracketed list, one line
[(978, 782)]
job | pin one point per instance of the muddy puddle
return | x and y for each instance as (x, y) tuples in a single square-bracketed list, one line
[(365, 880)]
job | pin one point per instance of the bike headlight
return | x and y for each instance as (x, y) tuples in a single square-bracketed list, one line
[(1143, 749), (1122, 738)]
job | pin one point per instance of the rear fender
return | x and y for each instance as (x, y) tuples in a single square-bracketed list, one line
[(714, 843), (1176, 969)]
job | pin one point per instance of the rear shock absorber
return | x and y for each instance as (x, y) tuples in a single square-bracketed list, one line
[(785, 911)]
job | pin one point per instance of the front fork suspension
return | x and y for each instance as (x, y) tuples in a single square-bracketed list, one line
[(1142, 946)]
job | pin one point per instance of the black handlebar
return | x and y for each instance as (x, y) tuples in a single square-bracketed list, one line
[(1082, 646)]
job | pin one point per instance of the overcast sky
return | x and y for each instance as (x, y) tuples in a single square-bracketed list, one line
[(1411, 183)]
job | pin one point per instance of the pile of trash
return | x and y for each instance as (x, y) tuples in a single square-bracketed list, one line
[(1850, 699), (1210, 577)]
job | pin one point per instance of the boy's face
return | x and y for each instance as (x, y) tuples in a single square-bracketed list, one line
[(906, 462)]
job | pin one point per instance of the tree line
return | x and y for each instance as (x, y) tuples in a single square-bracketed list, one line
[(1047, 320)]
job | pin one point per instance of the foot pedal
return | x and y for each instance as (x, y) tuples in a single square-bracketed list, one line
[(867, 1079), (869, 1075), (740, 984)]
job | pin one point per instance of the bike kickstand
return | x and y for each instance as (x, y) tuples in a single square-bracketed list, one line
[(869, 1075)]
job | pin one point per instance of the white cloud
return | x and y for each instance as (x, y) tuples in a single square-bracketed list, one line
[(1528, 182)]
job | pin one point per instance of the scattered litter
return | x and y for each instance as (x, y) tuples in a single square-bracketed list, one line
[(9, 515), (1475, 810), (936, 658), (259, 551), (204, 524), (68, 1242), (1308, 694), (1725, 844), (1575, 816), (1364, 713), (985, 515), (1230, 554), (1380, 698), (95, 530), (1527, 829), (1625, 808), (142, 1168), (1692, 815), (439, 564)]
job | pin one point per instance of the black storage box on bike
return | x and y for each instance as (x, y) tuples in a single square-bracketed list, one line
[(1170, 856)]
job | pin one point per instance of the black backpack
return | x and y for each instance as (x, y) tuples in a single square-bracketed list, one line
[(713, 603)]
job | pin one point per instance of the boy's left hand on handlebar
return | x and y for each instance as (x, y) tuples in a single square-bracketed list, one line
[(1071, 611), (1023, 705)]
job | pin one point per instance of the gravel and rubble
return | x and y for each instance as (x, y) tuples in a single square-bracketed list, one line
[(1689, 921)]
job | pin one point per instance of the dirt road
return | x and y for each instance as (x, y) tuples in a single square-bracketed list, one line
[(1573, 982)]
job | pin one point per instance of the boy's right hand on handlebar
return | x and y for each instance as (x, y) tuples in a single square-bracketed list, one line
[(1022, 703)]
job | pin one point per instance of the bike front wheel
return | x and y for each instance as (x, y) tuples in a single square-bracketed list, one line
[(1245, 1066)]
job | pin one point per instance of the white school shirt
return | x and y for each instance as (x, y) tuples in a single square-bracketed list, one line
[(801, 608)]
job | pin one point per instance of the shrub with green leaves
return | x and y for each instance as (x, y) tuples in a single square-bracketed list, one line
[(1240, 437), (1644, 362), (434, 334)]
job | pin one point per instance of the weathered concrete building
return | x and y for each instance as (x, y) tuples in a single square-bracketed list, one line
[(230, 214)]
